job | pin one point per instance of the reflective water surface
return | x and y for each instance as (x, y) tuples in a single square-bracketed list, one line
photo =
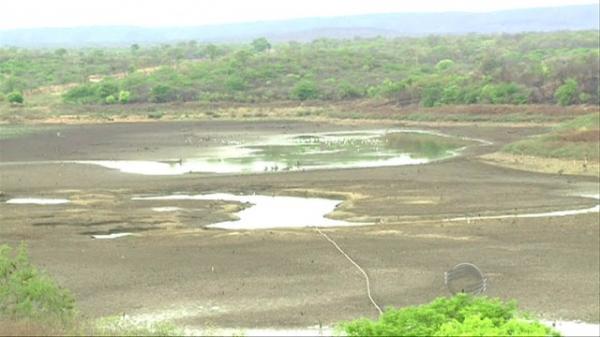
[(373, 148), (271, 211)]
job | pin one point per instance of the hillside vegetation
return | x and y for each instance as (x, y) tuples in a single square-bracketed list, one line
[(532, 68)]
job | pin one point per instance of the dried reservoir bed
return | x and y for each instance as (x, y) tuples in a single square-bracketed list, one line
[(176, 268)]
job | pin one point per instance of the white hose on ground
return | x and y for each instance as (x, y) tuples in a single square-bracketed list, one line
[(362, 271)]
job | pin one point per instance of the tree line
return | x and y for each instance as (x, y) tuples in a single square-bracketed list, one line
[(529, 68)]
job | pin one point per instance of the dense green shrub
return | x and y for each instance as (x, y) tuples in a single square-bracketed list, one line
[(29, 294), (15, 97), (461, 315)]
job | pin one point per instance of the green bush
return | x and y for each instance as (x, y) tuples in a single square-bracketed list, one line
[(386, 89), (304, 90), (162, 93), (29, 294), (347, 90), (155, 115), (444, 65), (261, 44), (110, 99), (124, 96), (461, 315), (84, 94), (504, 93), (15, 97), (235, 83), (106, 89), (566, 93), (431, 95)]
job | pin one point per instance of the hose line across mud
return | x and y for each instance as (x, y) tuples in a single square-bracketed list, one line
[(360, 269)]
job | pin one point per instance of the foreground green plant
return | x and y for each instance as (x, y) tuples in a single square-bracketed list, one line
[(29, 294), (31, 303), (461, 315)]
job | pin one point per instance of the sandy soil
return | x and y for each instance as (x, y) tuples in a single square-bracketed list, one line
[(177, 269)]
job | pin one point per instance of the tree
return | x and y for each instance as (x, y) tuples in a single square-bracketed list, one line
[(261, 44), (61, 52), (212, 51), (566, 93), (15, 97)]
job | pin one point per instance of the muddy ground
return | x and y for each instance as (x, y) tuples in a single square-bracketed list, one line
[(175, 269)]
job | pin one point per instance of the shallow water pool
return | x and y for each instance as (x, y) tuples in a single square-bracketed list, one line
[(267, 212), (375, 148)]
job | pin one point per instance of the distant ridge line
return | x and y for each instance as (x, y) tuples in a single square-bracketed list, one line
[(577, 17)]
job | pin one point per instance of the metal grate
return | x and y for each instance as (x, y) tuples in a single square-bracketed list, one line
[(465, 278)]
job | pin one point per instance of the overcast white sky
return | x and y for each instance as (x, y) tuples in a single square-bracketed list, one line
[(65, 13)]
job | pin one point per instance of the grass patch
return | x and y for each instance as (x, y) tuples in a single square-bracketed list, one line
[(461, 315), (577, 139)]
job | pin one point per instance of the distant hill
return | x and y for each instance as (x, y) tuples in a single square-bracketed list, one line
[(582, 17)]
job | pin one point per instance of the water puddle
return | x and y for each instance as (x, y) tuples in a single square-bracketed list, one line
[(595, 209), (574, 328), (374, 148), (566, 328), (267, 212), (37, 201), (300, 332), (166, 209), (111, 236)]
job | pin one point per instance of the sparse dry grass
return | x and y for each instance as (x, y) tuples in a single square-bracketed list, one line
[(41, 110)]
